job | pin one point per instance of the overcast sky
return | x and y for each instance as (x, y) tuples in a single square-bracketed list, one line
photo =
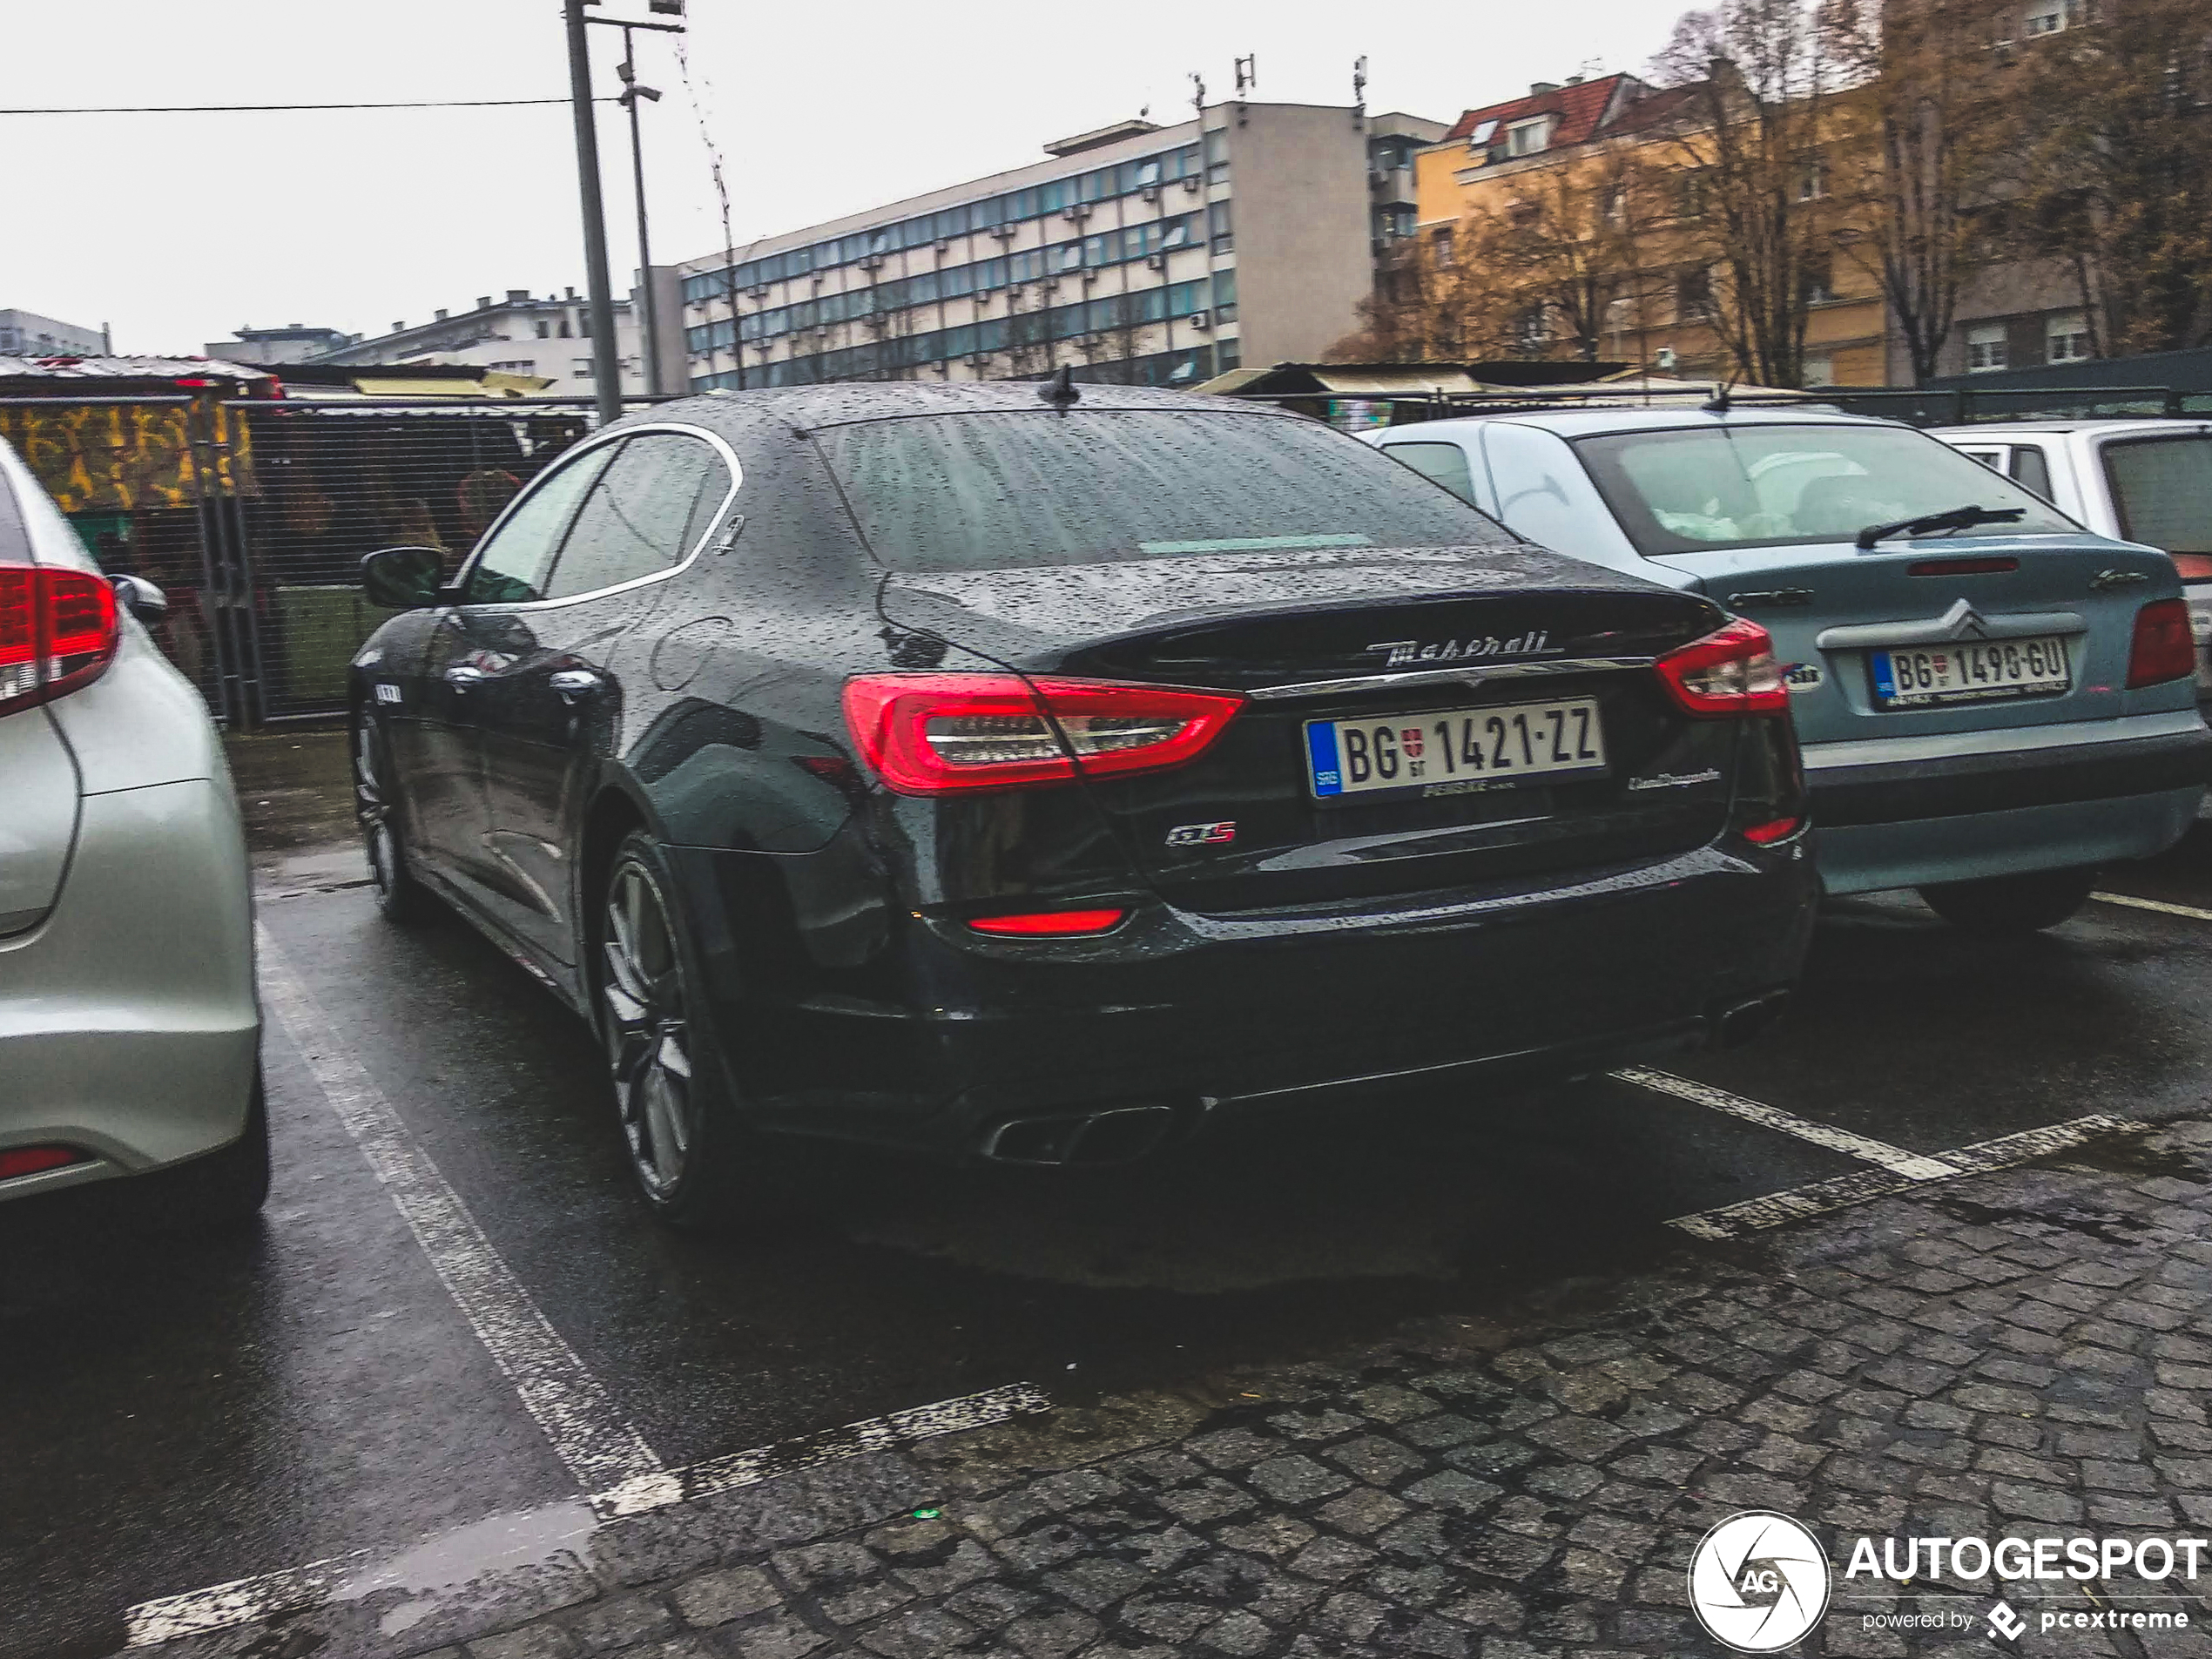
[(176, 229)]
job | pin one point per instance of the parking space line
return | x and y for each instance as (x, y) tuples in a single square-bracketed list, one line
[(727, 1474), (578, 1418), (1818, 1198), (1896, 1159), (2158, 905), (300, 1589)]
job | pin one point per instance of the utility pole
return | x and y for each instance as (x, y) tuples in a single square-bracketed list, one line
[(606, 371), (649, 308)]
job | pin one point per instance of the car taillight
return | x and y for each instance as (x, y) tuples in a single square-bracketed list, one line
[(1050, 924), (2164, 649), (58, 631), (2193, 567), (938, 734), (1775, 829), (1730, 672)]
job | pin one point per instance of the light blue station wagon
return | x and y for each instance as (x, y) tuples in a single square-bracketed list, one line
[(1993, 700)]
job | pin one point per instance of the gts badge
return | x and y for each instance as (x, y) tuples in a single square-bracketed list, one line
[(386, 693), (1203, 834)]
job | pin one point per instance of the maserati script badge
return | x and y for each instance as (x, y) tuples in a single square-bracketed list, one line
[(1535, 643)]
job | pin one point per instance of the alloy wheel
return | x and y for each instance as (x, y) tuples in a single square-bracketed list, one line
[(647, 1036)]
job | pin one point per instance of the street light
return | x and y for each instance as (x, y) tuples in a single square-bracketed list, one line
[(605, 364), (632, 90)]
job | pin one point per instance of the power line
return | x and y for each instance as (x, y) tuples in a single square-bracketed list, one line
[(267, 109)]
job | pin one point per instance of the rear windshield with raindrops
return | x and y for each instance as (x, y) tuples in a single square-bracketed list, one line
[(1013, 490)]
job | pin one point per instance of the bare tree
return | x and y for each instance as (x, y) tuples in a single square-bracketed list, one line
[(1564, 255), (2110, 166), (1756, 110), (1919, 165)]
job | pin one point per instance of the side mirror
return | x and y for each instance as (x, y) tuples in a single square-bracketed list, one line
[(403, 578), (140, 597)]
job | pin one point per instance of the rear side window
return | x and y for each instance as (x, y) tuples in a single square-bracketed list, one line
[(645, 516), (2032, 469), (987, 491), (1444, 463), (2163, 490)]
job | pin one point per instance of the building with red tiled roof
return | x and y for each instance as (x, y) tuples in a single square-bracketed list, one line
[(1576, 111)]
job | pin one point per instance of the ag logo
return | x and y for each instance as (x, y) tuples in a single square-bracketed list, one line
[(1758, 1581)]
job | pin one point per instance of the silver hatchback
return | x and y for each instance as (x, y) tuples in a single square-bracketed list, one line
[(130, 1033)]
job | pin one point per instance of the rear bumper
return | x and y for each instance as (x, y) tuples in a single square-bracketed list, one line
[(964, 1034), (1955, 808), (129, 1027)]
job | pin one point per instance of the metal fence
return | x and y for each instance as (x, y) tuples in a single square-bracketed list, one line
[(333, 482), (252, 516)]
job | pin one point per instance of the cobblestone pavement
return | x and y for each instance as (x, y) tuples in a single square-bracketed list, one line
[(2023, 1353)]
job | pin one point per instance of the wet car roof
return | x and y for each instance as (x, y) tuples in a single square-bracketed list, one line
[(808, 406)]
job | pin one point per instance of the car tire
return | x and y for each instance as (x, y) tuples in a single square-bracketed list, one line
[(402, 898), (694, 1160), (2013, 904), (223, 1190)]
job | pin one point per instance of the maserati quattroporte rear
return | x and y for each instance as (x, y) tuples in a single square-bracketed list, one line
[(1028, 777)]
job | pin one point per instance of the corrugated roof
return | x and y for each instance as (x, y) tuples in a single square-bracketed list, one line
[(126, 368)]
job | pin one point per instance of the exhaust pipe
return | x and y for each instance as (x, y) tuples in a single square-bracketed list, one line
[(1116, 1135)]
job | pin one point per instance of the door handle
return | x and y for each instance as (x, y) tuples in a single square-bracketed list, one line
[(461, 676), (572, 685)]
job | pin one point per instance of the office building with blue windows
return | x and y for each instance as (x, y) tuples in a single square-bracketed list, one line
[(1158, 255)]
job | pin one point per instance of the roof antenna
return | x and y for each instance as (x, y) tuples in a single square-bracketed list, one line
[(1060, 391), (1718, 404)]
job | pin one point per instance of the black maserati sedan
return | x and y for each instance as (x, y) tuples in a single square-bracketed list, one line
[(1026, 774)]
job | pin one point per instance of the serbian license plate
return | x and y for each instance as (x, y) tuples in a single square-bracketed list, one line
[(1971, 671), (1450, 751)]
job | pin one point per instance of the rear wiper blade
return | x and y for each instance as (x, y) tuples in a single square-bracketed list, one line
[(1959, 518)]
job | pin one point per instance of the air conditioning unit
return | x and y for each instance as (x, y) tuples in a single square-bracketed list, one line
[(1201, 319), (1151, 192), (1089, 277), (1081, 211), (1156, 261), (983, 295), (1014, 291), (942, 243), (977, 362), (1192, 182), (872, 262), (1004, 233)]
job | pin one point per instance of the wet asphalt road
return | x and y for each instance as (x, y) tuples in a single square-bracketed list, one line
[(178, 1413)]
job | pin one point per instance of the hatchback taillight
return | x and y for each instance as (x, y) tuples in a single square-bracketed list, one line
[(1730, 672), (938, 734), (58, 631), (2164, 648)]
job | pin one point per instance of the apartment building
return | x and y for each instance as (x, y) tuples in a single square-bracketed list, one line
[(520, 333), (1158, 254), (1594, 174), (25, 334)]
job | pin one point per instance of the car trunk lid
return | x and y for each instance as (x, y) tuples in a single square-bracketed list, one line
[(1833, 610), (1434, 643)]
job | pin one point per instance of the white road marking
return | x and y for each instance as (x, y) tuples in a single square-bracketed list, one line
[(571, 1407), (1818, 1198), (2158, 905), (871, 1434), (347, 1577), (1896, 1159)]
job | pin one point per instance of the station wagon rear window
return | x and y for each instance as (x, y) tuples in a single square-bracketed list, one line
[(994, 491), (2163, 490), (1684, 489)]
